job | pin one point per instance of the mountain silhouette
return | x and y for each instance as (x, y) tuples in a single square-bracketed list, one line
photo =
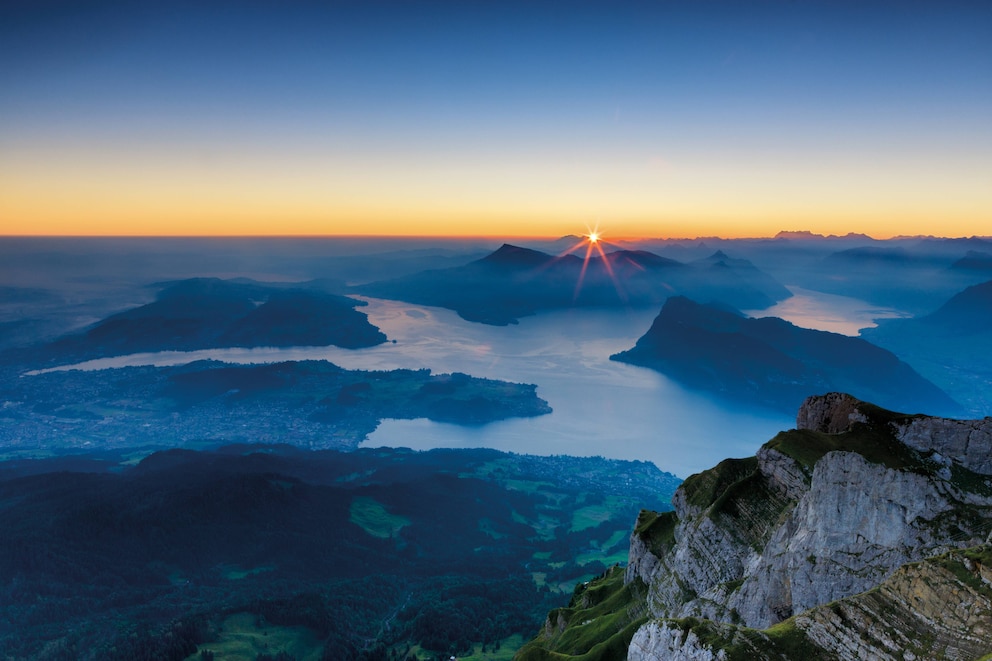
[(949, 345), (206, 313), (513, 282), (773, 363)]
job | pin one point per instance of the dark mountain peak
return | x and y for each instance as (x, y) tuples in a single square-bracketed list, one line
[(511, 255), (974, 260), (771, 362), (806, 235), (874, 254), (681, 309), (721, 259), (207, 287), (206, 313), (514, 281), (969, 310), (640, 258), (797, 234)]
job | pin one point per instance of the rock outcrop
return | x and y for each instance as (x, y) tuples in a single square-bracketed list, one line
[(940, 608), (860, 534), (823, 512)]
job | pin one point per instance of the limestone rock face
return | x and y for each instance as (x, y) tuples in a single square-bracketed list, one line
[(657, 641), (823, 512), (964, 442), (857, 522), (940, 608), (931, 597), (832, 413)]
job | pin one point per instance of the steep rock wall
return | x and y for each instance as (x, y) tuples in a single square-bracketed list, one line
[(826, 511)]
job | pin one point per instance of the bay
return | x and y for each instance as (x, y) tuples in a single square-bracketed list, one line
[(600, 407)]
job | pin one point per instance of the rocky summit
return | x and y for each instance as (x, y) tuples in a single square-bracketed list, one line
[(860, 534)]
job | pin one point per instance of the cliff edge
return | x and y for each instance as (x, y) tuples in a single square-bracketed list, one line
[(842, 538)]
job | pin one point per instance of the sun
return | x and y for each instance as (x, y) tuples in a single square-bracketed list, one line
[(593, 243)]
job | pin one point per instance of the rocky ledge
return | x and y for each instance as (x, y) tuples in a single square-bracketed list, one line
[(862, 533)]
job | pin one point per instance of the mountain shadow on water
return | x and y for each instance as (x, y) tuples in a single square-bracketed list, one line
[(514, 282), (773, 363)]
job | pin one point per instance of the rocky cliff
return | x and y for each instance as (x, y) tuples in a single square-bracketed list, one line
[(843, 538), (939, 608)]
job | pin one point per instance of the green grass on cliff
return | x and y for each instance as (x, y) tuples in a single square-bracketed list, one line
[(877, 444), (953, 562), (657, 530), (597, 625), (874, 444), (734, 491), (738, 643), (702, 489)]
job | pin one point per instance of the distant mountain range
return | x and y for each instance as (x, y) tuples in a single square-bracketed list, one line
[(950, 345), (974, 261), (772, 363), (913, 276), (514, 282), (206, 313)]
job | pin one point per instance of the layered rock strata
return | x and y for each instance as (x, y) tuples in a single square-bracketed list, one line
[(823, 512)]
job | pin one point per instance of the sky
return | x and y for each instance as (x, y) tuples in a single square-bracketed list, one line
[(645, 119)]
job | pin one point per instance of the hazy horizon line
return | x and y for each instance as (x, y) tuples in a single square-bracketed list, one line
[(800, 234)]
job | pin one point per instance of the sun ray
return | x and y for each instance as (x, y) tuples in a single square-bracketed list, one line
[(582, 273), (593, 242)]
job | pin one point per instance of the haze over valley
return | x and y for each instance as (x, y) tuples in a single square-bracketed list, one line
[(297, 352)]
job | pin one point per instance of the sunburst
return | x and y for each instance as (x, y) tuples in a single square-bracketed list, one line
[(593, 241)]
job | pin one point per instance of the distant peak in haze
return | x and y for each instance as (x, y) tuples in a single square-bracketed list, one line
[(510, 254), (811, 236)]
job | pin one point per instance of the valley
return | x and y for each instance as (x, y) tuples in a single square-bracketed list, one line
[(221, 468)]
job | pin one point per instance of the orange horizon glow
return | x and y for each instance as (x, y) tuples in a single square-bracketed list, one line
[(495, 236), (413, 128), (72, 192), (56, 212)]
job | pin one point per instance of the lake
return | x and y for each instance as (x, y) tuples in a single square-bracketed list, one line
[(600, 407)]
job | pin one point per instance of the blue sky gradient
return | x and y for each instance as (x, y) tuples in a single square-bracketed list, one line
[(472, 117)]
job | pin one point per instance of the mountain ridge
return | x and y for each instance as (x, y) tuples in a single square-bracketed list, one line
[(948, 345), (773, 363), (208, 313), (815, 548), (514, 282)]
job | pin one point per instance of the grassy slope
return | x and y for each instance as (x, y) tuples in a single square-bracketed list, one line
[(597, 625)]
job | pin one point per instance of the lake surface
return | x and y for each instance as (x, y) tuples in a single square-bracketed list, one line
[(829, 312), (600, 407)]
